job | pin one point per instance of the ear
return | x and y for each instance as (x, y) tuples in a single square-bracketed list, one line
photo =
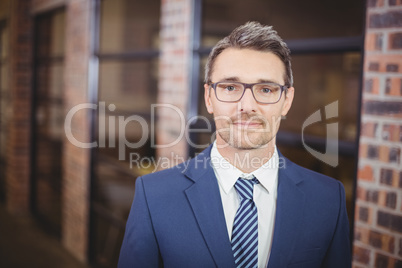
[(207, 99), (288, 101)]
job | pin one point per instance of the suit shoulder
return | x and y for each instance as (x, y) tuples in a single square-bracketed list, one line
[(171, 172), (311, 174), (322, 192), (316, 182), (166, 181)]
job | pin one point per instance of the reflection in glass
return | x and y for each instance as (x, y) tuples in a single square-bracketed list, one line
[(49, 119), (128, 25), (129, 39), (319, 80), (292, 19), (126, 88)]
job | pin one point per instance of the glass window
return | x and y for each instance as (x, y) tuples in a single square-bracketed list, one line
[(292, 19), (49, 119), (130, 85), (128, 25), (128, 70), (320, 77)]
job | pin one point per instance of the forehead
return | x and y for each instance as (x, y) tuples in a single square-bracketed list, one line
[(248, 66)]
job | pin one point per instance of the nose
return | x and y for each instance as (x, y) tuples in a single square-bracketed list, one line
[(247, 103)]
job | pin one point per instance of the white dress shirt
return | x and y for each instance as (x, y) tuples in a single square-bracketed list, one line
[(264, 197)]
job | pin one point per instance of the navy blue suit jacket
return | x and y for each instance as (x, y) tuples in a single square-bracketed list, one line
[(177, 220)]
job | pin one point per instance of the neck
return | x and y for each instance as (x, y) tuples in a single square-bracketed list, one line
[(246, 160)]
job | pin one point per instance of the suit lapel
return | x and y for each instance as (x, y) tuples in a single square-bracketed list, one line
[(206, 203), (289, 211)]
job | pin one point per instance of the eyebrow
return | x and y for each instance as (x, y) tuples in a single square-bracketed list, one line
[(236, 79), (267, 81), (231, 79)]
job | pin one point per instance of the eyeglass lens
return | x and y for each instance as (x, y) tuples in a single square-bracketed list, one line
[(264, 92)]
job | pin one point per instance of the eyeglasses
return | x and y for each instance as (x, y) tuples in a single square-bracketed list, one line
[(266, 93)]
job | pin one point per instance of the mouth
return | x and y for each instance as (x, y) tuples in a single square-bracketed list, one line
[(248, 124)]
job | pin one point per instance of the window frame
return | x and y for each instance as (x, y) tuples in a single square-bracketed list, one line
[(325, 45)]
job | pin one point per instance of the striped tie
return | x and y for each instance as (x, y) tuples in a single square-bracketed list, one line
[(245, 226)]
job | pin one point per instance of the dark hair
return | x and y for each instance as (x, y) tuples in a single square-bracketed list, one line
[(252, 35)]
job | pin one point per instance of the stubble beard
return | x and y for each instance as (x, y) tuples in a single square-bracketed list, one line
[(247, 139), (243, 141)]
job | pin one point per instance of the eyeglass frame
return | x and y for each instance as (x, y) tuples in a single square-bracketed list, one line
[(249, 86)]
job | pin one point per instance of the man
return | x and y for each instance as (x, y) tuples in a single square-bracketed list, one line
[(240, 203)]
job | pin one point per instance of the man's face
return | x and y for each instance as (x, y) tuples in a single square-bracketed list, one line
[(247, 124)]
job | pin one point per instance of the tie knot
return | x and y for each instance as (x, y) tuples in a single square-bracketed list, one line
[(245, 187)]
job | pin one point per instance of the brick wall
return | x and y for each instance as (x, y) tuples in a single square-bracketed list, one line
[(19, 120), (378, 214), (76, 172), (174, 76), (76, 161)]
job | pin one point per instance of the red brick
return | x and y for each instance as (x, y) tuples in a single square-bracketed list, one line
[(395, 41), (374, 66), (363, 149), (390, 221), (374, 41), (362, 234), (360, 194), (400, 179), (18, 166), (386, 261), (373, 196), (394, 155), (392, 68), (371, 85), (384, 153), (361, 255), (373, 152), (366, 173), (390, 200), (387, 177), (382, 61), (387, 198), (76, 163), (393, 86), (364, 214), (381, 261), (383, 108), (382, 241), (392, 132), (392, 18), (174, 74)]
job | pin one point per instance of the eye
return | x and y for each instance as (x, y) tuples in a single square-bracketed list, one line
[(230, 88), (266, 90)]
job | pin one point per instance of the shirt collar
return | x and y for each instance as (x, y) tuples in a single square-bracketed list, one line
[(227, 174)]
